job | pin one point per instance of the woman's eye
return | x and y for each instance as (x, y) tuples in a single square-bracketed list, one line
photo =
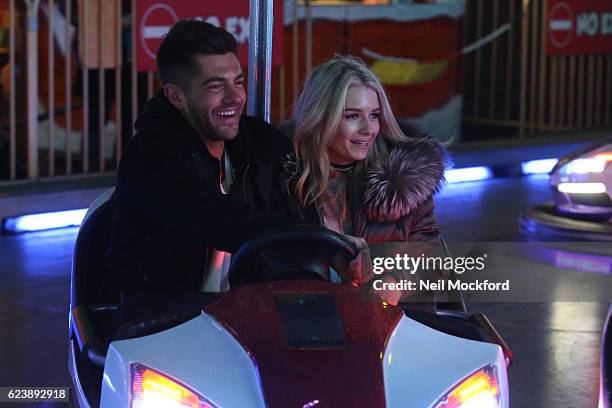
[(375, 115), (352, 116)]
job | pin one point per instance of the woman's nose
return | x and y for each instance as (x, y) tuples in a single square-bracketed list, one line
[(366, 126)]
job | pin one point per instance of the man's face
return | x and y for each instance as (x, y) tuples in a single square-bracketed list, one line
[(216, 96)]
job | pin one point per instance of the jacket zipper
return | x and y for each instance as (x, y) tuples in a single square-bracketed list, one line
[(205, 254), (244, 193), (361, 223)]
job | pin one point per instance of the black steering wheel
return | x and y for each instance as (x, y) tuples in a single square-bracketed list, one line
[(302, 252)]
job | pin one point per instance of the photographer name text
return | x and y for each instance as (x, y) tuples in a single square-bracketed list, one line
[(441, 285)]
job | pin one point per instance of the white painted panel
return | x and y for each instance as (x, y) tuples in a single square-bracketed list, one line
[(421, 365), (199, 353)]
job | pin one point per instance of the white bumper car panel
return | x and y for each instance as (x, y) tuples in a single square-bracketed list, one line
[(422, 366), (199, 354)]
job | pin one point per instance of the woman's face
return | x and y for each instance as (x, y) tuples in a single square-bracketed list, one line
[(358, 128)]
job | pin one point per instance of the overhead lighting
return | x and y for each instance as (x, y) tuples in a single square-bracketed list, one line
[(582, 188), (44, 221), (468, 174), (541, 166)]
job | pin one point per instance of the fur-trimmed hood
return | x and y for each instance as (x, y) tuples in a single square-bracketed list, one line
[(411, 173)]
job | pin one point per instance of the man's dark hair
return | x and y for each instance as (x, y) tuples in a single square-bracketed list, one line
[(186, 40)]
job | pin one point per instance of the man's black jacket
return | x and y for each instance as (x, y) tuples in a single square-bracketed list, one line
[(167, 205)]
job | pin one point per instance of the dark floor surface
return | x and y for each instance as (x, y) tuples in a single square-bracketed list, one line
[(556, 343)]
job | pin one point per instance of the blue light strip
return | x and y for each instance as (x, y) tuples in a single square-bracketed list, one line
[(73, 218), (468, 174), (541, 166), (45, 221)]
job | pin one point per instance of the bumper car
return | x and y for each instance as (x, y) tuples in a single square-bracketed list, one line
[(582, 184), (284, 335), (582, 206)]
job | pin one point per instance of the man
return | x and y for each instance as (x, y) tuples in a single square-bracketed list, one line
[(187, 178)]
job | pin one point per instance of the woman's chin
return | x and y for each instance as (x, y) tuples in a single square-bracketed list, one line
[(349, 157), (359, 156)]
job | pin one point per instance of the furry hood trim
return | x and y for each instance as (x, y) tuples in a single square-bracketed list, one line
[(411, 173)]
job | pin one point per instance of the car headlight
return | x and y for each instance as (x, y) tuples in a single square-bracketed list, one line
[(582, 188), (479, 390), (595, 164), (150, 388)]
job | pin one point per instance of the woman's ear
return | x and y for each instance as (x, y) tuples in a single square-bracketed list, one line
[(176, 96)]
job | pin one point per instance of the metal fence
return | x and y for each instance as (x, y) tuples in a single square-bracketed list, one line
[(513, 83), (72, 91), (70, 86)]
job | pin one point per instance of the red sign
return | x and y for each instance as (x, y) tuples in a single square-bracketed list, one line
[(579, 27), (155, 17)]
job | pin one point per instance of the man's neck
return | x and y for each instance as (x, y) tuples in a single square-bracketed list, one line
[(215, 147)]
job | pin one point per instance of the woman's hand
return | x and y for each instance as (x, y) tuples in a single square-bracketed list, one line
[(359, 270)]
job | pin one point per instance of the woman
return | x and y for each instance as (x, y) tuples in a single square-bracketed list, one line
[(353, 170)]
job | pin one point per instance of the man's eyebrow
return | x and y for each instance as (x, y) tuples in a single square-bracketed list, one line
[(221, 79), (213, 79)]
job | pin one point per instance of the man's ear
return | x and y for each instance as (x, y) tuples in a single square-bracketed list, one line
[(176, 96)]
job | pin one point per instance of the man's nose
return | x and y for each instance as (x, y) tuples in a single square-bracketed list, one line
[(232, 94)]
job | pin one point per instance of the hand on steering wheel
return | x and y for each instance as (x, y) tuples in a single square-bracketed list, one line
[(296, 252), (359, 270)]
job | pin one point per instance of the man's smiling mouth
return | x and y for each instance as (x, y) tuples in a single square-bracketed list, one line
[(226, 113)]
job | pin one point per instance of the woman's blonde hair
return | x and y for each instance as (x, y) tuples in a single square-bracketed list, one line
[(317, 114)]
